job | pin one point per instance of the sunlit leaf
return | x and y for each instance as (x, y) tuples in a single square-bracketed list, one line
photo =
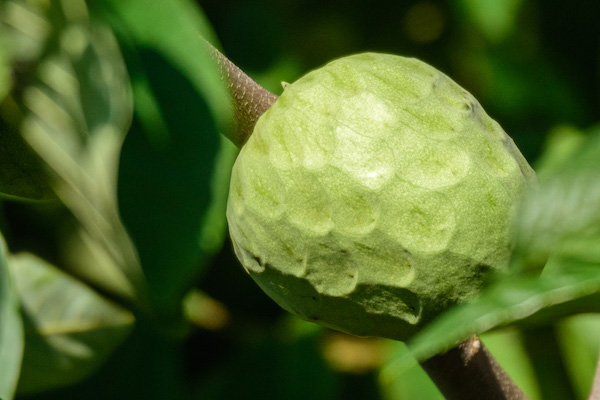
[(69, 328), (562, 217), (78, 110), (21, 173), (89, 260), (11, 330), (25, 29), (518, 299), (175, 167)]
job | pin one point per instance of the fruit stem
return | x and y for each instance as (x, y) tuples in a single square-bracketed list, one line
[(250, 100), (469, 371)]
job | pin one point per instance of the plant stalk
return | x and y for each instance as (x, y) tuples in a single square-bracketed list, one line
[(250, 100), (470, 372)]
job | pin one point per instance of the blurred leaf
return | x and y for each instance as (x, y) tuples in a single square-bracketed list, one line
[(495, 19), (204, 311), (510, 300), (580, 347), (562, 217), (146, 366), (560, 146), (87, 258), (175, 167), (509, 350), (403, 379), (291, 368), (175, 29), (5, 72), (78, 109), (21, 173), (11, 330), (70, 329), (406, 381), (25, 29), (548, 366)]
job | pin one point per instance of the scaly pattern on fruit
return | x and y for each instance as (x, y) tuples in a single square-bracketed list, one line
[(373, 195)]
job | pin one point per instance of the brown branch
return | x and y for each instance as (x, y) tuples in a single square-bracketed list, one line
[(250, 100), (470, 372), (595, 395)]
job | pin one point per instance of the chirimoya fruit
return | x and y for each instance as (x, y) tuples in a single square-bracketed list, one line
[(374, 194)]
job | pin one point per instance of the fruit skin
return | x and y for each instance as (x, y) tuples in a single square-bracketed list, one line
[(373, 195)]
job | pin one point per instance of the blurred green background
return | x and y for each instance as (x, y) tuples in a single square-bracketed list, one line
[(143, 109)]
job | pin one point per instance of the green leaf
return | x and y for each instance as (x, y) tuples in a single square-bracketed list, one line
[(523, 298), (21, 172), (78, 110), (174, 168), (406, 381), (11, 330), (175, 30), (495, 19), (580, 345), (509, 349), (22, 176), (562, 217), (25, 29), (70, 329), (5, 72), (409, 381), (548, 366), (560, 146)]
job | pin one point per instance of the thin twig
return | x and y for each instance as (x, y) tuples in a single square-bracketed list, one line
[(470, 372), (250, 100)]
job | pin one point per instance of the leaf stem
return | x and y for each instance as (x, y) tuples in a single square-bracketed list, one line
[(470, 372), (250, 100)]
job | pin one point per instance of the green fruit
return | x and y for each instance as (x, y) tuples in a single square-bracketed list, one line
[(373, 195)]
